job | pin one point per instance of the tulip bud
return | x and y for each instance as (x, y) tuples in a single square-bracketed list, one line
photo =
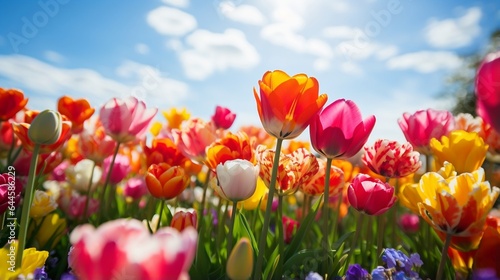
[(240, 261), (46, 128)]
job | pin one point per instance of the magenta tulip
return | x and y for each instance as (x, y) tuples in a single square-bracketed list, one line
[(488, 90), (419, 128), (126, 120), (339, 131), (121, 168), (370, 195), (223, 117)]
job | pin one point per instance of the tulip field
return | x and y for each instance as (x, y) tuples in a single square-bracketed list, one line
[(107, 192)]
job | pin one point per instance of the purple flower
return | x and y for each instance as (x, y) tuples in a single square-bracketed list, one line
[(313, 276), (40, 274), (485, 274), (356, 272), (378, 273)]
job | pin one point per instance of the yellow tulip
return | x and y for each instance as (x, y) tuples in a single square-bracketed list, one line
[(32, 259), (465, 150), (252, 202), (43, 204), (240, 262), (49, 228), (175, 117)]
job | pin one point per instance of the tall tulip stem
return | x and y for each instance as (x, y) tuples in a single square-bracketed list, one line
[(444, 255), (234, 212), (88, 191), (326, 196), (267, 215), (25, 214), (106, 182)]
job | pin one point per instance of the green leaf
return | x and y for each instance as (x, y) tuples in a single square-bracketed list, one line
[(303, 229), (249, 234), (271, 265)]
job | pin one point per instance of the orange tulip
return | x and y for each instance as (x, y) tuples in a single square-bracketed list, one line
[(163, 150), (287, 104), (11, 102), (316, 185), (232, 146), (258, 136), (76, 110), (165, 181)]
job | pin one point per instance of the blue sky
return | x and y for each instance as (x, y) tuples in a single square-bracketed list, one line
[(389, 56)]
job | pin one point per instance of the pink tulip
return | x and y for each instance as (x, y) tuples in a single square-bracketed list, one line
[(10, 192), (121, 168), (193, 137), (223, 117), (370, 195), (391, 159), (339, 131), (419, 128), (73, 204), (124, 249), (135, 188), (409, 223), (488, 90), (126, 120)]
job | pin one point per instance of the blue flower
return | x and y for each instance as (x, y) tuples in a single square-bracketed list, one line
[(378, 273), (313, 276), (356, 272), (40, 274)]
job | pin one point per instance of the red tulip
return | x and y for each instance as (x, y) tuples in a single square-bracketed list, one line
[(184, 219), (391, 159), (11, 102), (488, 90), (369, 195), (76, 110), (223, 117), (339, 131), (419, 128), (290, 226)]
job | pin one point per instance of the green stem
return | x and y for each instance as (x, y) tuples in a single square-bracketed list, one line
[(326, 201), (25, 214), (234, 212), (204, 197), (162, 204), (380, 234), (444, 255), (267, 215), (281, 237), (354, 241), (88, 191), (336, 215), (106, 182)]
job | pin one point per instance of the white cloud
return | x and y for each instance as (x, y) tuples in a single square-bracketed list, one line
[(33, 75), (425, 61), (282, 35), (321, 64), (170, 21), (351, 68), (339, 6), (209, 52), (177, 3), (174, 44), (361, 50), (242, 13), (341, 32), (53, 56), (142, 48), (454, 32)]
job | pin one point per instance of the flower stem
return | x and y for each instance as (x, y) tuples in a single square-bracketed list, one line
[(444, 255), (380, 234), (234, 212), (203, 199), (326, 197), (267, 215), (162, 204), (281, 238), (25, 213), (354, 241), (106, 183)]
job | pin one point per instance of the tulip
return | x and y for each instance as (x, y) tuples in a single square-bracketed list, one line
[(78, 176), (391, 159), (223, 117), (126, 120), (135, 188), (43, 204), (10, 188), (231, 146), (287, 104), (47, 160), (419, 128), (124, 248), (240, 262), (237, 179), (49, 228), (469, 123), (290, 226), (472, 150), (73, 205), (194, 136), (410, 223), (32, 260), (11, 102), (42, 134), (316, 185), (259, 197), (339, 131), (164, 150), (94, 143), (184, 219), (121, 168), (175, 117), (165, 181), (488, 90), (46, 128), (77, 111), (457, 206), (6, 138), (258, 136), (492, 138), (370, 195)]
